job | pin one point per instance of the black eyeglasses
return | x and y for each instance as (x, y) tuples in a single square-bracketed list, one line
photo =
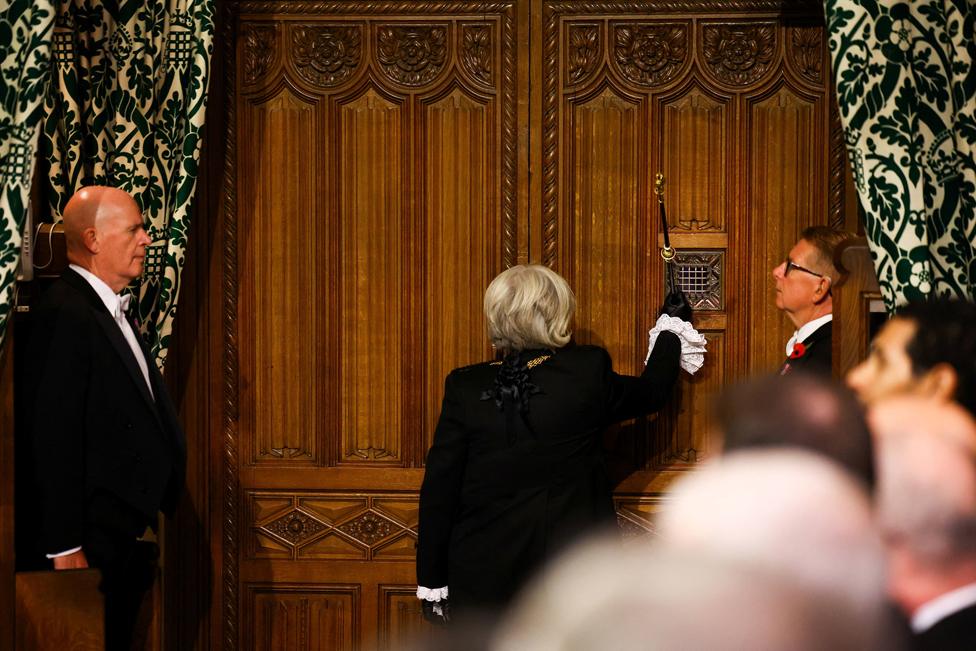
[(792, 265)]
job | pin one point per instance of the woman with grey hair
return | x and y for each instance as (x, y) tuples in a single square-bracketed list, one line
[(517, 468)]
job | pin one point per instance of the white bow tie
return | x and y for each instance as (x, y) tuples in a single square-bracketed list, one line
[(123, 305)]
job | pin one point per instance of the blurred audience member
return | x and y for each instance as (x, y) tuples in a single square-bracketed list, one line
[(798, 411), (789, 512), (603, 597), (927, 513), (927, 349)]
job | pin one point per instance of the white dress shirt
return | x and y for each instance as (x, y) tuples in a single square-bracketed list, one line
[(931, 613), (116, 307), (806, 330)]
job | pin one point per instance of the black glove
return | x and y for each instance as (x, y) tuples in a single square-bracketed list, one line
[(676, 304), (443, 618)]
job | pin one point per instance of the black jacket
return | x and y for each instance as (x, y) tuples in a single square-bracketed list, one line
[(503, 491), (816, 354), (954, 632), (106, 455)]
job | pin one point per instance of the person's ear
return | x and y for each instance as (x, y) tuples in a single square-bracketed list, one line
[(823, 288), (89, 238), (940, 382)]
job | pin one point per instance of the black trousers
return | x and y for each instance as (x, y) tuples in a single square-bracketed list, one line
[(128, 568)]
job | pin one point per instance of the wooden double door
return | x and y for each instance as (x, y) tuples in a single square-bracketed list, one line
[(384, 161)]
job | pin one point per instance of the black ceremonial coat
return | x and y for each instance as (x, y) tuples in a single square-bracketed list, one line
[(498, 500), (107, 455), (816, 355)]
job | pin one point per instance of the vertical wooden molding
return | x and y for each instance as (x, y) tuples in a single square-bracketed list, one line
[(510, 139), (836, 216), (550, 133), (231, 482)]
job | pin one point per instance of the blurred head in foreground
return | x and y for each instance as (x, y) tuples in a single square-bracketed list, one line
[(603, 597), (801, 411), (926, 498)]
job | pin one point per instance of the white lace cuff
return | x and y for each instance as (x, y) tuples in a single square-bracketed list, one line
[(692, 341), (428, 594)]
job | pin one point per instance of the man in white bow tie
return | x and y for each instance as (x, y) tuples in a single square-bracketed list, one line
[(803, 292), (108, 450)]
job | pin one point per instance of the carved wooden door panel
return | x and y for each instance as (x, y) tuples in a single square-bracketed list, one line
[(386, 159), (730, 101), (374, 193)]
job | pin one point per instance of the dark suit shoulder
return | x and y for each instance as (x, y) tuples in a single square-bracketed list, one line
[(587, 357), (60, 311), (473, 374), (585, 351), (64, 298), (474, 368)]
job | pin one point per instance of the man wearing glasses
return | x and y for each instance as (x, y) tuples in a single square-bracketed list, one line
[(803, 283)]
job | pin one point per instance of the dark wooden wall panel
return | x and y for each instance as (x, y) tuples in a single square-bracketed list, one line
[(460, 163), (372, 215), (289, 617), (280, 177), (373, 193), (400, 618), (598, 253)]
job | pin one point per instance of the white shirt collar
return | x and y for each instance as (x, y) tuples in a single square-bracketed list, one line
[(931, 613), (112, 301), (806, 330)]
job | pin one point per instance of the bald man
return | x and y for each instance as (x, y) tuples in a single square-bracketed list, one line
[(108, 450)]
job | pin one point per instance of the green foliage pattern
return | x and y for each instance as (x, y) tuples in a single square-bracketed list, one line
[(906, 87), (25, 50)]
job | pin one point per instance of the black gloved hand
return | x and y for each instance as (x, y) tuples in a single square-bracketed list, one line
[(441, 618), (676, 304)]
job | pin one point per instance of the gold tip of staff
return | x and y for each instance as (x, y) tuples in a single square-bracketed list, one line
[(659, 184)]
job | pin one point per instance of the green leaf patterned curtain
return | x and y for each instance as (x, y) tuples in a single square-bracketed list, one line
[(25, 45), (906, 87), (126, 109)]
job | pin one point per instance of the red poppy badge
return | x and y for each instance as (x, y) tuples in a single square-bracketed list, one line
[(799, 350)]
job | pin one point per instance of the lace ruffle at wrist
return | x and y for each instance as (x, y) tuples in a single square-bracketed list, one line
[(692, 342), (428, 594)]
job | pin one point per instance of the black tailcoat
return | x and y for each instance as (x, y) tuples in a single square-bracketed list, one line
[(107, 455), (504, 491)]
